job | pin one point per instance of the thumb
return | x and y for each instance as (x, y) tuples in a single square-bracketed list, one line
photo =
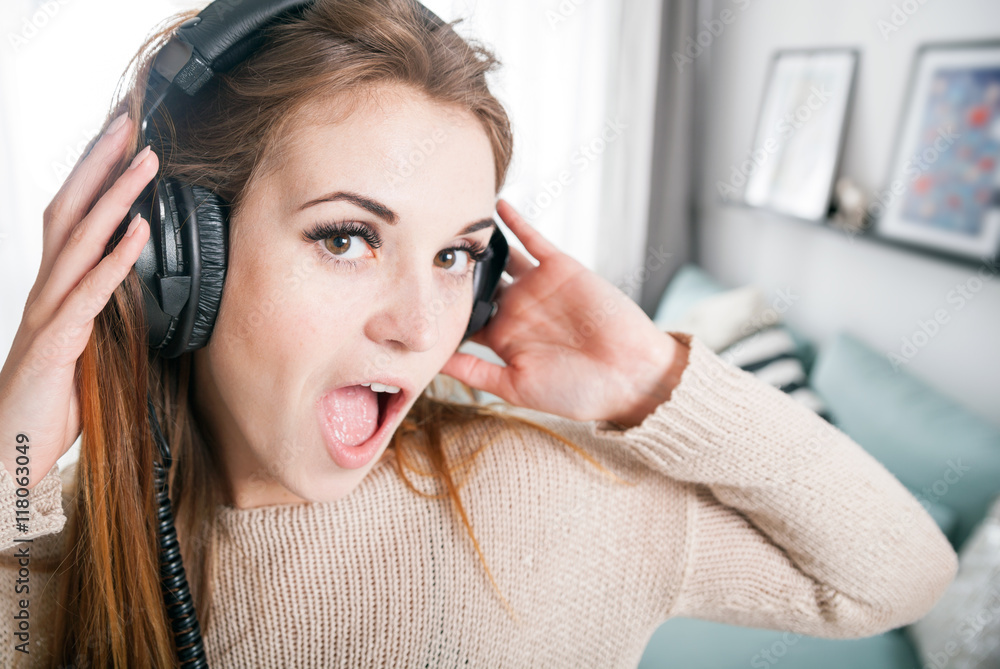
[(478, 373)]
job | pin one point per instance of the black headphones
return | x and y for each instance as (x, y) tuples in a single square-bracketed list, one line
[(183, 265)]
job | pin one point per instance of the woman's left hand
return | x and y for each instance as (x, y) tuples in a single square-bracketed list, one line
[(574, 344)]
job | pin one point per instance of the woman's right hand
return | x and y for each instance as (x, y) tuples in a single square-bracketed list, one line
[(38, 394)]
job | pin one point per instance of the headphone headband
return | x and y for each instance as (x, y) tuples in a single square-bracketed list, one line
[(220, 37)]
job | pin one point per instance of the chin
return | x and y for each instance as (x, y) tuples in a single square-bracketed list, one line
[(328, 484)]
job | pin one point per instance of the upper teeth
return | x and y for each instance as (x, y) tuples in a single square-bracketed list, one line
[(381, 387)]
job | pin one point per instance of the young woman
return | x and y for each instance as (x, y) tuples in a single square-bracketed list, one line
[(631, 476)]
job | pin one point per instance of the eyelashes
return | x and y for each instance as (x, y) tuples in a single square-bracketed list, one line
[(347, 229), (323, 231)]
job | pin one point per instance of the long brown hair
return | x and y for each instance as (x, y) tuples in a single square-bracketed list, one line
[(109, 576)]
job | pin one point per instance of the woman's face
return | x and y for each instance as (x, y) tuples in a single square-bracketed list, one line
[(301, 318)]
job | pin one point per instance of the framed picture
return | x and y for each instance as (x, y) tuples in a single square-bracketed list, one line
[(943, 190), (800, 131)]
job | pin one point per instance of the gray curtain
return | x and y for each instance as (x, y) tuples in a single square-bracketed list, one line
[(677, 146)]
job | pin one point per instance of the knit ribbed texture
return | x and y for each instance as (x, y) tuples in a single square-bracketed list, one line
[(746, 508)]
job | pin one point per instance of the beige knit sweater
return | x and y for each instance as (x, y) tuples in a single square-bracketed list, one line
[(747, 509)]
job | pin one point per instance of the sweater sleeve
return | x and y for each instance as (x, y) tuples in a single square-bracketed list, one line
[(791, 524), (45, 508)]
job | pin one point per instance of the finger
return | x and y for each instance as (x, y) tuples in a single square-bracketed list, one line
[(478, 373), (67, 334), (533, 241), (81, 187), (518, 263), (88, 239)]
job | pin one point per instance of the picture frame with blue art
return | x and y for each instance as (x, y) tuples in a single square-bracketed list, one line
[(942, 195)]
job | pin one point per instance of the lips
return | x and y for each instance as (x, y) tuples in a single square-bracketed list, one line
[(354, 457)]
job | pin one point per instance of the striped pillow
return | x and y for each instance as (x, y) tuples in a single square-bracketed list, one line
[(771, 355)]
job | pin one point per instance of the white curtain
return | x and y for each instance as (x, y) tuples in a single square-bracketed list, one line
[(579, 82), (59, 63)]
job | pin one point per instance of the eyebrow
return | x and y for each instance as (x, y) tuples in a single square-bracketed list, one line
[(384, 212)]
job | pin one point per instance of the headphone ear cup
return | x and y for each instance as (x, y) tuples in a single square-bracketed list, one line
[(486, 280), (183, 265), (212, 217), (161, 257), (205, 250)]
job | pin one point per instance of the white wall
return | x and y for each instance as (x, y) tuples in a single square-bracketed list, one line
[(877, 292)]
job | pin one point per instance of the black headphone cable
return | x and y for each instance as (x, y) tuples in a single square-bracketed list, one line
[(176, 593)]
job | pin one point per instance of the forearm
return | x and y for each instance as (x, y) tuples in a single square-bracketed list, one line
[(870, 556)]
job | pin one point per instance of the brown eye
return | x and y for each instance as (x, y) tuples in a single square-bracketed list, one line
[(448, 258), (448, 255), (338, 244)]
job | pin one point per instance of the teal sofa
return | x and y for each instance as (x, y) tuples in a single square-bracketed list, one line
[(948, 456)]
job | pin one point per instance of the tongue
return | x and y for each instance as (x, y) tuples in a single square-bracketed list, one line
[(351, 414)]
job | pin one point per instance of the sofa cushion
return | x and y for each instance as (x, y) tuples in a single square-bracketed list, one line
[(722, 319), (701, 644), (689, 285), (929, 442)]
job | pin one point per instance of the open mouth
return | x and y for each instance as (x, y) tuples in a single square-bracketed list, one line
[(390, 405), (340, 434)]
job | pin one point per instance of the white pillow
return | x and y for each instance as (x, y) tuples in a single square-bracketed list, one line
[(722, 319), (962, 631)]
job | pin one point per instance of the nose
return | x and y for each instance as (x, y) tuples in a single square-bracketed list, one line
[(408, 311)]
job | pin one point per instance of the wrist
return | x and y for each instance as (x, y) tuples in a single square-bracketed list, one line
[(659, 389)]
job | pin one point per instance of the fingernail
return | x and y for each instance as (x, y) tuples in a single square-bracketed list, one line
[(139, 157), (132, 226), (116, 125)]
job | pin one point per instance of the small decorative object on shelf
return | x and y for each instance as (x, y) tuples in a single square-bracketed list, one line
[(942, 195), (849, 204)]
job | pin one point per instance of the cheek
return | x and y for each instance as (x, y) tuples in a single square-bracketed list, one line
[(251, 303), (269, 312), (460, 311), (451, 309)]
